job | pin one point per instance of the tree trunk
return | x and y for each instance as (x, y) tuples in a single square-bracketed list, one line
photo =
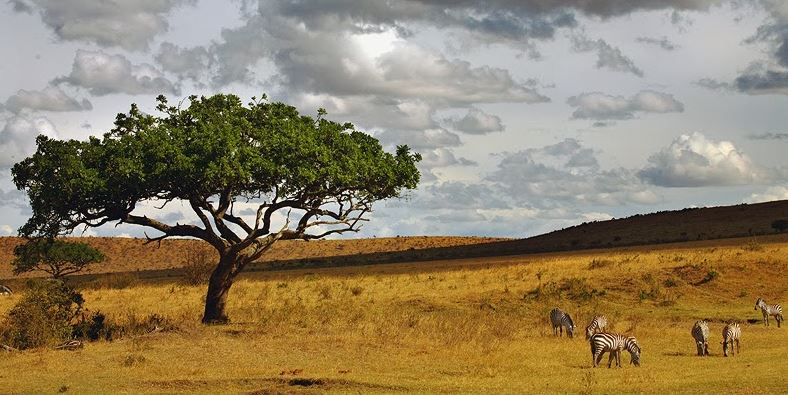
[(218, 287)]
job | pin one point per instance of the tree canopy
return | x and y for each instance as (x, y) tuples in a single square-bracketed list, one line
[(322, 175), (59, 258)]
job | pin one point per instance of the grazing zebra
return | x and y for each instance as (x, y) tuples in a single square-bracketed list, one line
[(5, 290), (769, 309), (597, 325), (614, 343), (700, 332), (560, 319), (730, 334)]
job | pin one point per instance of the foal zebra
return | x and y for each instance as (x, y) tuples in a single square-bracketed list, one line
[(597, 325), (700, 332), (614, 343), (769, 309), (730, 334), (561, 319)]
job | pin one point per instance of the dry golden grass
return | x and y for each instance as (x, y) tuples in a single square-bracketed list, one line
[(467, 326), (128, 254)]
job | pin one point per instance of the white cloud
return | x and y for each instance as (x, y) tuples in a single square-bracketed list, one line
[(102, 74), (51, 98), (769, 195), (477, 121), (442, 157), (6, 230), (420, 139), (17, 138), (601, 106), (127, 24), (543, 178), (693, 161), (189, 63), (608, 57)]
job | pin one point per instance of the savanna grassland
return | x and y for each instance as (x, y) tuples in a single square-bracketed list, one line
[(455, 326)]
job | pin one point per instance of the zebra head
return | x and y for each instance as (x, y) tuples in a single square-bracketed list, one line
[(758, 303), (635, 353), (570, 327)]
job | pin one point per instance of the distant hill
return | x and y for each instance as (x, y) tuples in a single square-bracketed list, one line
[(690, 224), (708, 223)]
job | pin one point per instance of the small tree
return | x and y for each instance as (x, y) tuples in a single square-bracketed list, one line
[(780, 225), (319, 177), (59, 258)]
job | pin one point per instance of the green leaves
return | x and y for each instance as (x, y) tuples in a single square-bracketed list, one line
[(214, 146)]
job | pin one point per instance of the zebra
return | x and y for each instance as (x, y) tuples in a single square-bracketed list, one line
[(597, 325), (561, 319), (700, 332), (5, 290), (730, 334), (769, 309), (614, 343)]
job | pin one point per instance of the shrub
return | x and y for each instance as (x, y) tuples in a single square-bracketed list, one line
[(43, 317), (780, 225), (93, 327), (752, 245), (198, 264), (599, 263), (356, 291), (670, 283)]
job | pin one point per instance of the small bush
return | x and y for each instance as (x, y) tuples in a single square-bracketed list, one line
[(93, 327), (356, 291), (198, 264), (670, 283), (575, 288), (780, 225), (325, 292), (752, 245), (43, 317), (599, 263)]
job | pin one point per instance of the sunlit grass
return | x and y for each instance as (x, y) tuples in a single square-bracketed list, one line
[(470, 326)]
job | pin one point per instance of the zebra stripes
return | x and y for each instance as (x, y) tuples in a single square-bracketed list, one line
[(769, 310), (560, 320), (730, 334), (597, 325), (700, 332), (5, 290), (614, 343)]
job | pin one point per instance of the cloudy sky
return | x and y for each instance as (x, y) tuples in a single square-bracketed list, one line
[(531, 115)]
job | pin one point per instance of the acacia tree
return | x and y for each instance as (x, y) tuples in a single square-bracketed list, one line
[(320, 177), (58, 258)]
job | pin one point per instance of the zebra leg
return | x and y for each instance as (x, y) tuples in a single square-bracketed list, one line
[(610, 359), (779, 318), (597, 358), (618, 358), (738, 347)]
